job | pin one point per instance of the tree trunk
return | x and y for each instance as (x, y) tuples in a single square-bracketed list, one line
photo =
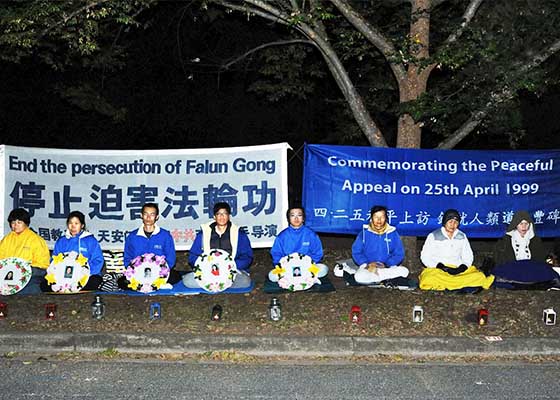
[(409, 133), (410, 88), (416, 81)]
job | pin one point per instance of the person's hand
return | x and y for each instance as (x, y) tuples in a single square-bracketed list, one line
[(372, 267), (444, 268), (460, 269), (455, 271)]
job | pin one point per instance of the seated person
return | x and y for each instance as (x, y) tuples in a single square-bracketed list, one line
[(377, 251), (224, 235), (520, 257), (77, 239), (448, 258), (150, 238), (23, 243), (297, 238)]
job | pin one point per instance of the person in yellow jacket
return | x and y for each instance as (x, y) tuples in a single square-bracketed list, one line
[(23, 243)]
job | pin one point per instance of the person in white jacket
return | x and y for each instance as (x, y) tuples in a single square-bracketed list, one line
[(448, 258)]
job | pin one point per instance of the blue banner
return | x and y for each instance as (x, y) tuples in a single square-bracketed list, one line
[(342, 183)]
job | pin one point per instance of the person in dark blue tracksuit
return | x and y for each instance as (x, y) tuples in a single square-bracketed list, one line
[(297, 238), (77, 239), (150, 238)]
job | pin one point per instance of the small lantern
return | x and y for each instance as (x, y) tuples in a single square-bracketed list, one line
[(355, 314), (216, 312), (155, 311), (549, 316), (275, 310), (417, 314), (97, 308), (3, 310), (483, 316), (50, 311)]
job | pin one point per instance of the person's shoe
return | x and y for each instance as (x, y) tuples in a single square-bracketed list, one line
[(166, 286), (338, 270)]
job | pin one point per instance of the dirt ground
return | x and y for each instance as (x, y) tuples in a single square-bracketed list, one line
[(386, 312)]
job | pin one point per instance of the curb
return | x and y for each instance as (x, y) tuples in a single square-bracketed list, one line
[(327, 346)]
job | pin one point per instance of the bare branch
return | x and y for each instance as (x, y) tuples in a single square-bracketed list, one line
[(475, 119), (263, 46), (274, 16), (372, 35), (267, 7), (469, 14), (355, 101), (496, 98), (542, 57)]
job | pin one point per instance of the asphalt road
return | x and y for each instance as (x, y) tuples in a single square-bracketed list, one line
[(148, 379)]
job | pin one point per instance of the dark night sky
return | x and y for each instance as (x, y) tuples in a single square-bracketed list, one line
[(174, 104)]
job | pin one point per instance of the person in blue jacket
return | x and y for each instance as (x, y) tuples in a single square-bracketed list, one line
[(378, 250), (77, 239), (297, 238), (222, 234), (150, 238)]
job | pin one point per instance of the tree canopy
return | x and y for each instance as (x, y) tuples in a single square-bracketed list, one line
[(403, 67)]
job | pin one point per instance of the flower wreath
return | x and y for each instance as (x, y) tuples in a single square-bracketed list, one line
[(215, 271), (68, 272), (296, 272), (147, 273), (15, 273)]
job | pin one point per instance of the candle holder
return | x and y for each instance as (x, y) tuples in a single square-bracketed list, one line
[(275, 310), (417, 314), (50, 312), (549, 316), (355, 314), (155, 311), (3, 310), (216, 313), (483, 316), (97, 308)]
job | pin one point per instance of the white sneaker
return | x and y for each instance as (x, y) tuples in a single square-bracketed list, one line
[(166, 286), (340, 269)]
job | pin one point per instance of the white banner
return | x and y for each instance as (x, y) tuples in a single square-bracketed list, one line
[(110, 186)]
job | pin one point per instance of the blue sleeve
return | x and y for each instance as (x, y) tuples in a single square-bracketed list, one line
[(56, 249), (397, 251), (196, 249), (277, 251), (358, 249), (169, 250), (315, 247), (128, 249), (244, 256), (96, 259)]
